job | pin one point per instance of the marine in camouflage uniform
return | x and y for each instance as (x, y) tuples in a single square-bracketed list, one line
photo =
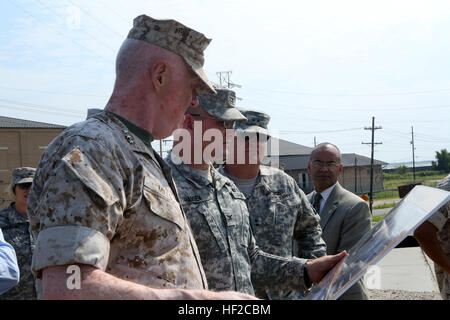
[(15, 227), (102, 197), (219, 218), (282, 219), (441, 221)]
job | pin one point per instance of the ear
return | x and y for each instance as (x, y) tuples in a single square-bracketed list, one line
[(159, 74), (309, 167)]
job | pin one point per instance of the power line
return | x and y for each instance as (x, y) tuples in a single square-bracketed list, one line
[(315, 132), (357, 109), (113, 11), (53, 92), (54, 112), (82, 30), (351, 94), (58, 31), (26, 104), (95, 19)]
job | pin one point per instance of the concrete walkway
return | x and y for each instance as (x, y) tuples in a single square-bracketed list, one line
[(404, 269)]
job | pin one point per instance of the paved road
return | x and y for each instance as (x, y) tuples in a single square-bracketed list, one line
[(378, 212)]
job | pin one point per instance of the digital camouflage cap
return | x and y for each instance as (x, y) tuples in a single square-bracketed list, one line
[(175, 37), (257, 122), (23, 175), (222, 105)]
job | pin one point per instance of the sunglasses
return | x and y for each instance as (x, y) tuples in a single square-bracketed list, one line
[(24, 186), (227, 124)]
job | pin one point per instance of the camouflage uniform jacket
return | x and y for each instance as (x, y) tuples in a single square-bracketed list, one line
[(101, 197), (220, 221), (442, 222), (15, 230), (284, 223)]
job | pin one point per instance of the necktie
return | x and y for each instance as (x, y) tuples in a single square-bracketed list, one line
[(316, 203)]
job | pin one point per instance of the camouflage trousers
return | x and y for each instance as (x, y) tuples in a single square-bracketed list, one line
[(443, 280)]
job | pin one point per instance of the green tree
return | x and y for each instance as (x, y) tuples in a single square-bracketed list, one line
[(402, 169), (443, 161)]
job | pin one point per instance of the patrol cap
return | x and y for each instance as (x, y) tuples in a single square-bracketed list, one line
[(221, 106), (23, 175), (257, 122), (176, 37)]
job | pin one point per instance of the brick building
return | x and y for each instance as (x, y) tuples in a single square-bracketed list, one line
[(22, 143), (355, 177)]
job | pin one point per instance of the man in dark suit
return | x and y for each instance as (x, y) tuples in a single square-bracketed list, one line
[(344, 217)]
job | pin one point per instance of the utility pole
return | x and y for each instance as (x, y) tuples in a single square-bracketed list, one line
[(314, 142), (224, 80), (414, 161), (373, 143), (160, 148), (356, 168)]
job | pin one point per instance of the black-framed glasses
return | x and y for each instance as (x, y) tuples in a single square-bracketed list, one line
[(227, 124), (24, 186), (321, 164)]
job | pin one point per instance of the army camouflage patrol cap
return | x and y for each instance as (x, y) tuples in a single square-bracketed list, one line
[(221, 106), (257, 122), (175, 37), (23, 175)]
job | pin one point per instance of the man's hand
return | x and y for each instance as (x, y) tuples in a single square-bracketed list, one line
[(319, 267), (97, 284)]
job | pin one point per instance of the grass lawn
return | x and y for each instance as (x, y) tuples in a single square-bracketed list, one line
[(377, 219), (384, 206), (392, 180)]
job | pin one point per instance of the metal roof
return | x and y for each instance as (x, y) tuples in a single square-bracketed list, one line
[(14, 123), (295, 156), (287, 148)]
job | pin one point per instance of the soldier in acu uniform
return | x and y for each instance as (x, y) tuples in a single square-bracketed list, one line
[(15, 226), (104, 201), (282, 219), (217, 211), (434, 238)]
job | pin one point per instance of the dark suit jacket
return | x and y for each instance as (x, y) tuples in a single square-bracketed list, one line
[(344, 219)]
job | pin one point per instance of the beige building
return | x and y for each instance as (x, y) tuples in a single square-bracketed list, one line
[(355, 177), (22, 143)]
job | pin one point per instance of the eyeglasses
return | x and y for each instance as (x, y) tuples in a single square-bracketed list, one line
[(320, 164), (227, 124), (24, 186)]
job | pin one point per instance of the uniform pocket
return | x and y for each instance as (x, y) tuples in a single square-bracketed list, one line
[(161, 203)]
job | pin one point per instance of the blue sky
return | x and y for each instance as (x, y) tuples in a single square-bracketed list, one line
[(319, 68)]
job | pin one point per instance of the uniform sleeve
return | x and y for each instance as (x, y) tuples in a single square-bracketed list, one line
[(356, 224), (307, 241), (9, 270), (275, 272), (74, 209)]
